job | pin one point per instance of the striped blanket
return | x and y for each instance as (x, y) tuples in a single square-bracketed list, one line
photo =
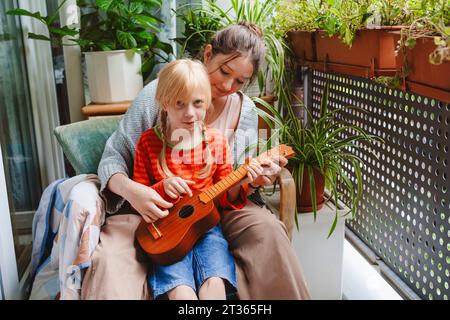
[(65, 232)]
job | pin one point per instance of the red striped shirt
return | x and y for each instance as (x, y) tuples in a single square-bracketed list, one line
[(185, 164)]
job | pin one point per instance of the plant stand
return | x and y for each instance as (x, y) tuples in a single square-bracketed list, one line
[(321, 258)]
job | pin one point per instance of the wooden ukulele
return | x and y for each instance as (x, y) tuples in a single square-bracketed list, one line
[(169, 239)]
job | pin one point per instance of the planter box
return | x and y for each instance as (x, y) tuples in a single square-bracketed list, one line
[(371, 54), (303, 45), (114, 76), (425, 78)]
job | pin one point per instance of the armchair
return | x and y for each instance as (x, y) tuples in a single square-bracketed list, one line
[(83, 143)]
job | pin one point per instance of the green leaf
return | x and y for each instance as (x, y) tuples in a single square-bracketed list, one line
[(334, 225), (261, 82), (38, 36), (312, 187), (149, 36), (106, 45), (148, 65), (104, 4), (23, 12), (64, 31), (164, 46), (148, 21), (154, 3), (126, 40), (136, 7)]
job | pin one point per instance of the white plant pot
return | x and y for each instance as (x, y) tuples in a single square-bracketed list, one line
[(114, 76), (321, 258)]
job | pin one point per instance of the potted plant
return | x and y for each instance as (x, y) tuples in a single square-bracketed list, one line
[(324, 145), (321, 153), (113, 34), (351, 37), (375, 41), (424, 52)]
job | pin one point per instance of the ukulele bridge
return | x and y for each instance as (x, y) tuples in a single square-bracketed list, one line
[(154, 231)]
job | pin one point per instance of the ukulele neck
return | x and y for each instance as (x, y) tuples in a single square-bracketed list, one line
[(234, 177), (223, 185)]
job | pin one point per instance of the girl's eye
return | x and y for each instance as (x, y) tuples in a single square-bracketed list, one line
[(180, 104), (198, 103)]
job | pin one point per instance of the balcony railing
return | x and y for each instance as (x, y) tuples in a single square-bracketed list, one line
[(404, 214)]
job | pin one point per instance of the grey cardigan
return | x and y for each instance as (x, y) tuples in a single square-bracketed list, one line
[(118, 155)]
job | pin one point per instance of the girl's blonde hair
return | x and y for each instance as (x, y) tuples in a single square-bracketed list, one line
[(177, 81)]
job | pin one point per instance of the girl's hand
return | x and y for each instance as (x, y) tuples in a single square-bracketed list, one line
[(146, 201), (176, 186)]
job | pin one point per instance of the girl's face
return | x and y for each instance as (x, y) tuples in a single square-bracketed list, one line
[(226, 77), (187, 114)]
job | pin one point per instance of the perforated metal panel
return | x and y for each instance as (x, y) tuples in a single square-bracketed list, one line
[(404, 215)]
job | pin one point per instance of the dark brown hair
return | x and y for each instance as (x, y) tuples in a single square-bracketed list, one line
[(240, 39)]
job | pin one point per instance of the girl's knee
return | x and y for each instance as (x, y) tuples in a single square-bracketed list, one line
[(213, 282), (182, 292), (212, 288)]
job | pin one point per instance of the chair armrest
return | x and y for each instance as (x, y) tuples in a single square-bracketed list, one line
[(287, 200)]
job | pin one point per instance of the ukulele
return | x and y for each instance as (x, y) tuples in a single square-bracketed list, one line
[(169, 239)]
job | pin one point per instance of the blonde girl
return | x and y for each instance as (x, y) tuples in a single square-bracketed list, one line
[(180, 155)]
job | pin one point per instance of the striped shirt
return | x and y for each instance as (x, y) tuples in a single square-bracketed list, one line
[(118, 155), (185, 163)]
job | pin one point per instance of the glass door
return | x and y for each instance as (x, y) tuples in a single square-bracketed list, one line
[(9, 281), (17, 137)]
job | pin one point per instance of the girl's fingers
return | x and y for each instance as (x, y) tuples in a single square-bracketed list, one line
[(186, 188), (162, 203), (171, 194), (146, 218), (157, 212), (179, 188)]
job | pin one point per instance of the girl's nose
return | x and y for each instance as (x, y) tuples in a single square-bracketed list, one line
[(189, 111)]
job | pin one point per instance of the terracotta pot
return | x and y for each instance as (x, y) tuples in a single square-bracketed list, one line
[(304, 203), (303, 45), (371, 54), (425, 78)]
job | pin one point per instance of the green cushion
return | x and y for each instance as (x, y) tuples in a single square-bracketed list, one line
[(83, 142)]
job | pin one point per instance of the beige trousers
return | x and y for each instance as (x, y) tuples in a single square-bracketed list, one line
[(267, 266)]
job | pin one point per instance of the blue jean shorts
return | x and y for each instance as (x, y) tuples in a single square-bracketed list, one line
[(210, 257)]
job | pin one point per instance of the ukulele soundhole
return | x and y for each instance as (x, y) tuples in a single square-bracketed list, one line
[(186, 211)]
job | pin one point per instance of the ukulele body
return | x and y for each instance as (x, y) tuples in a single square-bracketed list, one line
[(186, 222)]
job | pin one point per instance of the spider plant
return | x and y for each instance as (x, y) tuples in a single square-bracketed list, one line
[(325, 143)]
